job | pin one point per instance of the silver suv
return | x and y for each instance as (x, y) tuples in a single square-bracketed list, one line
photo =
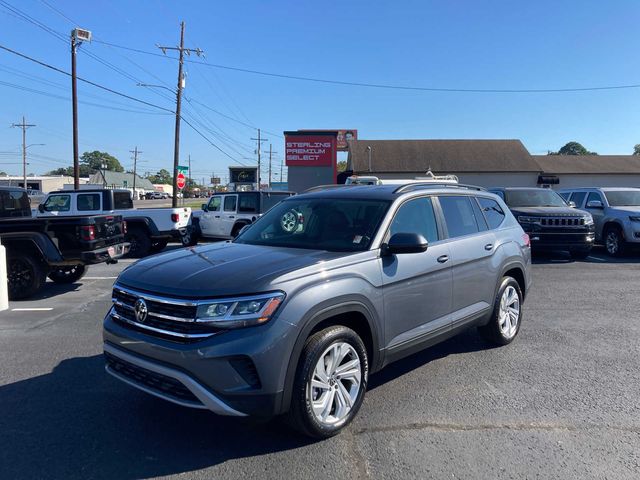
[(615, 211), (324, 289)]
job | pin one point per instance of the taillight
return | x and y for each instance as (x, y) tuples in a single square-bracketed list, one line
[(526, 240), (175, 217), (124, 227), (88, 232)]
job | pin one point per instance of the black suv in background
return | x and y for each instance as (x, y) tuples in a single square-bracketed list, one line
[(552, 224)]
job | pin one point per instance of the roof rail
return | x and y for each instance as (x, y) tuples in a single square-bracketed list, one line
[(409, 187), (319, 188)]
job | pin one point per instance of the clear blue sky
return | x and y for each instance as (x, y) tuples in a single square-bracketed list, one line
[(444, 44)]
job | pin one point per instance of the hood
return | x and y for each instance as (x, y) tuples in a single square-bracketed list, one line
[(549, 211), (628, 210), (220, 269)]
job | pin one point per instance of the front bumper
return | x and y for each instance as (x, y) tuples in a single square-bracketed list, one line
[(561, 240), (112, 252), (163, 382)]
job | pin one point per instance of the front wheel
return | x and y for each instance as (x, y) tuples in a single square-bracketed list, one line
[(330, 382), (67, 274), (25, 276), (506, 318), (614, 242)]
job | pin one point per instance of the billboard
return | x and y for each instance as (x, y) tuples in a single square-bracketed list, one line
[(342, 137), (310, 150), (243, 174)]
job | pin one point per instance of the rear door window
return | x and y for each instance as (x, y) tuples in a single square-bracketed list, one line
[(88, 202), (230, 203), (248, 203), (122, 201), (492, 212), (459, 215)]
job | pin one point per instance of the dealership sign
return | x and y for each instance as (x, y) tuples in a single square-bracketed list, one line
[(310, 150)]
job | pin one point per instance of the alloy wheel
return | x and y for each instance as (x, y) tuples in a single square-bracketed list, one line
[(509, 315), (335, 384), (613, 242)]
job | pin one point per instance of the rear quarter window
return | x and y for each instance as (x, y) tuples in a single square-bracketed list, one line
[(122, 201), (492, 212)]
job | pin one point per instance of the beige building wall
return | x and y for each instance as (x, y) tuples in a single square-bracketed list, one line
[(523, 179), (600, 180)]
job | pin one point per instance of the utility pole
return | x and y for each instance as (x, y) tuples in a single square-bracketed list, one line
[(259, 140), (270, 153), (176, 147), (135, 152), (77, 36), (189, 177), (281, 166), (24, 125)]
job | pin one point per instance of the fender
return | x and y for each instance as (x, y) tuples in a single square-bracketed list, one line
[(40, 242), (315, 316), (143, 222)]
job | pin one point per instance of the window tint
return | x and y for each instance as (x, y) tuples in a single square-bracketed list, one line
[(459, 216), (14, 204), (578, 198), (270, 199), (564, 195), (230, 203), (416, 216), (594, 196), (481, 221), (248, 203), (214, 204), (492, 212), (57, 203), (122, 201), (88, 201)]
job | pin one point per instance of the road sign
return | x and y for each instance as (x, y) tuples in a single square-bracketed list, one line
[(181, 180), (183, 169)]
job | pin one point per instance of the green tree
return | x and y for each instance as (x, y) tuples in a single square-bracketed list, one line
[(636, 149), (84, 171), (94, 161), (163, 176), (342, 165), (4, 174), (573, 148)]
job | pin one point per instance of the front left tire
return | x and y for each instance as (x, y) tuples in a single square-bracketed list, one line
[(330, 382)]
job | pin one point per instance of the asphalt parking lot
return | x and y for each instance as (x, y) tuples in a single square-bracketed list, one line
[(562, 401)]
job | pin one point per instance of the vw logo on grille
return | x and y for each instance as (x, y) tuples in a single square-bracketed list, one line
[(140, 310)]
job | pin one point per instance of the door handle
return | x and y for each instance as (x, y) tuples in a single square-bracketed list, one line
[(231, 216), (217, 216), (443, 258), (488, 247)]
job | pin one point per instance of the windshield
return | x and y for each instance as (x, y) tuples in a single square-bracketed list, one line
[(536, 197), (623, 198), (319, 224)]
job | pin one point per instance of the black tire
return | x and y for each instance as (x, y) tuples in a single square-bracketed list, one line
[(140, 243), (158, 245), (301, 416), (580, 253), (614, 242), (190, 237), (67, 274), (25, 275), (492, 331), (236, 229)]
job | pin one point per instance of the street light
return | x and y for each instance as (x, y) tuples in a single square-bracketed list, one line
[(155, 86)]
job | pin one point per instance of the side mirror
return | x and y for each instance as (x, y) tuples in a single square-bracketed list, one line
[(405, 243), (204, 207), (572, 204), (41, 208), (595, 204)]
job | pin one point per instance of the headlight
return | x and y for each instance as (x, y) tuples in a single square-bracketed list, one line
[(528, 219), (634, 218), (239, 312), (588, 220)]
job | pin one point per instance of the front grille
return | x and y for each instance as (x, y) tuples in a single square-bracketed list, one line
[(169, 319), (154, 381), (562, 221)]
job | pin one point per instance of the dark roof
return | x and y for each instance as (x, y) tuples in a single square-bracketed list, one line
[(441, 156), (588, 164), (118, 179)]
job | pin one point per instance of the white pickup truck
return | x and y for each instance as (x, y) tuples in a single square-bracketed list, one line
[(148, 229)]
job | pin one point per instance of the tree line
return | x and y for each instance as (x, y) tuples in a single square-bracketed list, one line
[(575, 148)]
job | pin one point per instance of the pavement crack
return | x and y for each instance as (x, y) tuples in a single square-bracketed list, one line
[(494, 426), (361, 463)]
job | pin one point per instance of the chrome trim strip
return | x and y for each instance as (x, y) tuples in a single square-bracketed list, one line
[(208, 399), (159, 330), (154, 314)]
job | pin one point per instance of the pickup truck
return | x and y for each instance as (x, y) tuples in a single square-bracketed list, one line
[(58, 248), (148, 229), (225, 214)]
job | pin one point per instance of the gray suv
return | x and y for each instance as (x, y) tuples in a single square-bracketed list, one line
[(327, 287), (615, 211)]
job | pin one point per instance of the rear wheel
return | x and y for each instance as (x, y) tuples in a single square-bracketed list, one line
[(67, 274), (507, 314), (330, 382), (614, 241), (140, 243), (25, 276)]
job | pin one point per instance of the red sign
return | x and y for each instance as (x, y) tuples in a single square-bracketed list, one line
[(181, 180), (310, 150)]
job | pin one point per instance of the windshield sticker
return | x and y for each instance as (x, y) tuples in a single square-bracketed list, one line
[(357, 239)]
